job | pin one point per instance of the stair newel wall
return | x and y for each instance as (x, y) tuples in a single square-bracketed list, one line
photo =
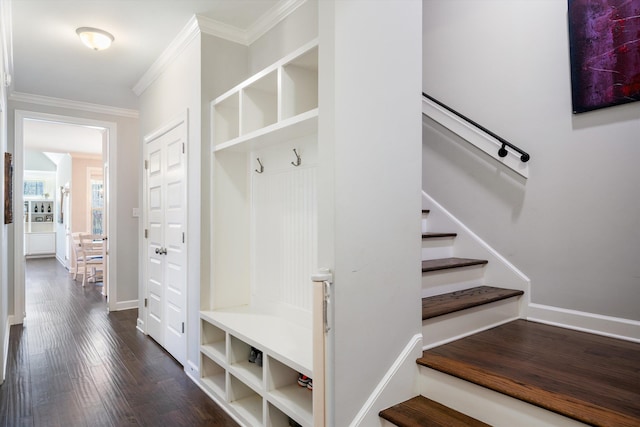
[(369, 134)]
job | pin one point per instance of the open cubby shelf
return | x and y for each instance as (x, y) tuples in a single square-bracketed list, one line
[(280, 102)]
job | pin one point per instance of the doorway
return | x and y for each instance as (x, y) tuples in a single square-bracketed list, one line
[(108, 134)]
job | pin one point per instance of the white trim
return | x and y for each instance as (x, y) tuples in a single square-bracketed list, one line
[(124, 305), (75, 105), (272, 18), (202, 24), (474, 136), (401, 360), (192, 370), (614, 327), (174, 50), (18, 244), (224, 31), (5, 348), (140, 325)]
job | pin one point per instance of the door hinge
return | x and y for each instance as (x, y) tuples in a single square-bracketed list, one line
[(146, 164), (145, 302), (183, 327), (183, 237), (146, 233), (183, 148)]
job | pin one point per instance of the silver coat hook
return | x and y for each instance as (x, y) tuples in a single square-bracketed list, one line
[(261, 167), (298, 161)]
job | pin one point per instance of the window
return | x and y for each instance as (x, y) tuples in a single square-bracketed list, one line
[(97, 205), (34, 188)]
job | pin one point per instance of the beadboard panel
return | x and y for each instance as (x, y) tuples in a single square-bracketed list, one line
[(284, 226)]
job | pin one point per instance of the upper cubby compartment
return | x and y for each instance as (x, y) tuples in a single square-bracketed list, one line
[(259, 103), (278, 103), (299, 84)]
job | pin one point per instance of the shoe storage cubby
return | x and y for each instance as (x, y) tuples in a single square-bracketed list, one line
[(246, 401), (280, 102), (250, 373), (266, 395)]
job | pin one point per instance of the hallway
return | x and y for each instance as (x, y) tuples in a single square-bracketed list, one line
[(74, 364)]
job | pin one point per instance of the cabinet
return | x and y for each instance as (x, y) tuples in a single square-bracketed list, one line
[(39, 227), (264, 246)]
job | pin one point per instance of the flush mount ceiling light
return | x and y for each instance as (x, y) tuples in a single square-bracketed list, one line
[(94, 38)]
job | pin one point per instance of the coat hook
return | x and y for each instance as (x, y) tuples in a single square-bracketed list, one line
[(298, 159), (261, 167)]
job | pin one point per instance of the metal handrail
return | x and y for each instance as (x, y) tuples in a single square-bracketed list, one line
[(502, 152)]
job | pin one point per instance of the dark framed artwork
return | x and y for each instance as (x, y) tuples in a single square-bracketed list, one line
[(604, 37), (8, 188)]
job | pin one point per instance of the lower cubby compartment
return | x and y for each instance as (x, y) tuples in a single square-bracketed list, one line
[(245, 401), (212, 340), (276, 418), (212, 375), (284, 392), (249, 372)]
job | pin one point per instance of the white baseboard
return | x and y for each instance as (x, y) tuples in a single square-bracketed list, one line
[(140, 325), (397, 384), (5, 348), (192, 370), (613, 327), (126, 305)]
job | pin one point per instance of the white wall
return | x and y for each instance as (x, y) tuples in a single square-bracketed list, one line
[(574, 226), (298, 28), (37, 161), (126, 194), (369, 196)]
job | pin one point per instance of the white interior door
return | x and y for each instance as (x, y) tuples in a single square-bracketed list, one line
[(166, 276)]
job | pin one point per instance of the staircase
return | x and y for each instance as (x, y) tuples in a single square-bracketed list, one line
[(483, 364)]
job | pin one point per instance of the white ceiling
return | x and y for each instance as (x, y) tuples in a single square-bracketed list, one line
[(50, 60)]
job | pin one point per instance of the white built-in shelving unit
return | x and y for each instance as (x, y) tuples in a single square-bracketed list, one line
[(39, 228), (264, 243)]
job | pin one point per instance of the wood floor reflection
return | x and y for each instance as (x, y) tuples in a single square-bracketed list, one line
[(74, 364)]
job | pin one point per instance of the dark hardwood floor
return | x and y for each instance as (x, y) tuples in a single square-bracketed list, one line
[(74, 364)]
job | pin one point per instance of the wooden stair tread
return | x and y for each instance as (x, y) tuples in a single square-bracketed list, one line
[(445, 263), (590, 378), (430, 234), (420, 412), (439, 305)]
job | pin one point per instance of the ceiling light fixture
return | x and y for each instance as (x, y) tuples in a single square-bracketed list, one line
[(94, 38)]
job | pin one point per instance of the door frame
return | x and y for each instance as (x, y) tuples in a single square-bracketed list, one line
[(182, 118), (109, 155)]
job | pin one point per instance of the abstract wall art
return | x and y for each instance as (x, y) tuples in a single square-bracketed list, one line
[(604, 37)]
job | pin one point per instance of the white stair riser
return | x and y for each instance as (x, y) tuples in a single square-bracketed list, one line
[(424, 223), (487, 405), (451, 280), (435, 248), (442, 329)]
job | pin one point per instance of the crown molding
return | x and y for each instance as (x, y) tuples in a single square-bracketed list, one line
[(175, 48), (75, 105), (224, 31), (272, 18), (201, 24)]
